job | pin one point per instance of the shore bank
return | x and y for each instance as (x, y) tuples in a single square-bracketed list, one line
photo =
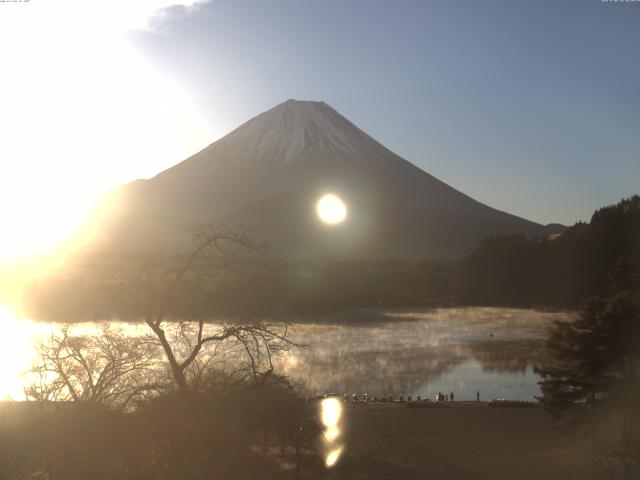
[(460, 440)]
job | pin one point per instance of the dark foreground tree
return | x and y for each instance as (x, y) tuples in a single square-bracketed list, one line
[(178, 398), (591, 385), (240, 431)]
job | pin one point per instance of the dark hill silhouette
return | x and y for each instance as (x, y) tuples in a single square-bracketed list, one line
[(513, 270), (267, 175)]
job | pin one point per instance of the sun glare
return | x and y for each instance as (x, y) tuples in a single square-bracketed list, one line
[(17, 352), (331, 209), (79, 117)]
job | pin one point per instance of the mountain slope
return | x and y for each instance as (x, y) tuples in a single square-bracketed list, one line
[(267, 175)]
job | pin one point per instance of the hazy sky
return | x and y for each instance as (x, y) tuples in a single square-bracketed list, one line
[(532, 107)]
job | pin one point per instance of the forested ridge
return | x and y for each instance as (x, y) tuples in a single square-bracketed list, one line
[(514, 270)]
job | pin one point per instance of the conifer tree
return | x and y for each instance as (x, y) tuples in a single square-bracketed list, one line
[(591, 385)]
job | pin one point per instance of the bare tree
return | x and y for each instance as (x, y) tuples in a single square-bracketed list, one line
[(110, 368), (190, 344)]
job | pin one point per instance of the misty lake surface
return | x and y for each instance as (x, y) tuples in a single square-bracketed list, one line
[(418, 352), (460, 350)]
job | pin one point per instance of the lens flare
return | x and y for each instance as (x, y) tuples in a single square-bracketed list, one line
[(331, 209)]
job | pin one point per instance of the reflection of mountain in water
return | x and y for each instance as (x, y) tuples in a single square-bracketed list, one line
[(378, 372), (404, 370), (513, 356), (404, 357)]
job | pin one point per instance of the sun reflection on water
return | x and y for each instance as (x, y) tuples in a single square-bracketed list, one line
[(331, 416), (17, 352), (331, 412), (331, 433), (332, 457)]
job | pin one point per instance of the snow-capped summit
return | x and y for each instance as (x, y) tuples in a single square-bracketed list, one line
[(268, 174), (296, 130)]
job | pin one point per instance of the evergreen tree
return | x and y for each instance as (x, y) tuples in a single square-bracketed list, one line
[(591, 385)]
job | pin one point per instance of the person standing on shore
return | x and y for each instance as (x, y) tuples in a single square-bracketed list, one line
[(477, 395), (451, 397)]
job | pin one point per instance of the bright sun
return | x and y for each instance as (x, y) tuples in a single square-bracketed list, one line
[(331, 209)]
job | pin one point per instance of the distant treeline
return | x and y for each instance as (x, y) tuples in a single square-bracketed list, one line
[(505, 270), (514, 270)]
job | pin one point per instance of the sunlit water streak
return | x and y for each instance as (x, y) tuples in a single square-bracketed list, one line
[(17, 352), (333, 456), (331, 413)]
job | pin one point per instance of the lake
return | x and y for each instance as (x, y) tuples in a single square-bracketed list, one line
[(458, 350), (419, 352)]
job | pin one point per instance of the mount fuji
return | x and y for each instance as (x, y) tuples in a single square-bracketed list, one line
[(268, 174)]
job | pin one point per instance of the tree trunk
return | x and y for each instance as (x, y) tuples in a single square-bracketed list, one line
[(176, 370)]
